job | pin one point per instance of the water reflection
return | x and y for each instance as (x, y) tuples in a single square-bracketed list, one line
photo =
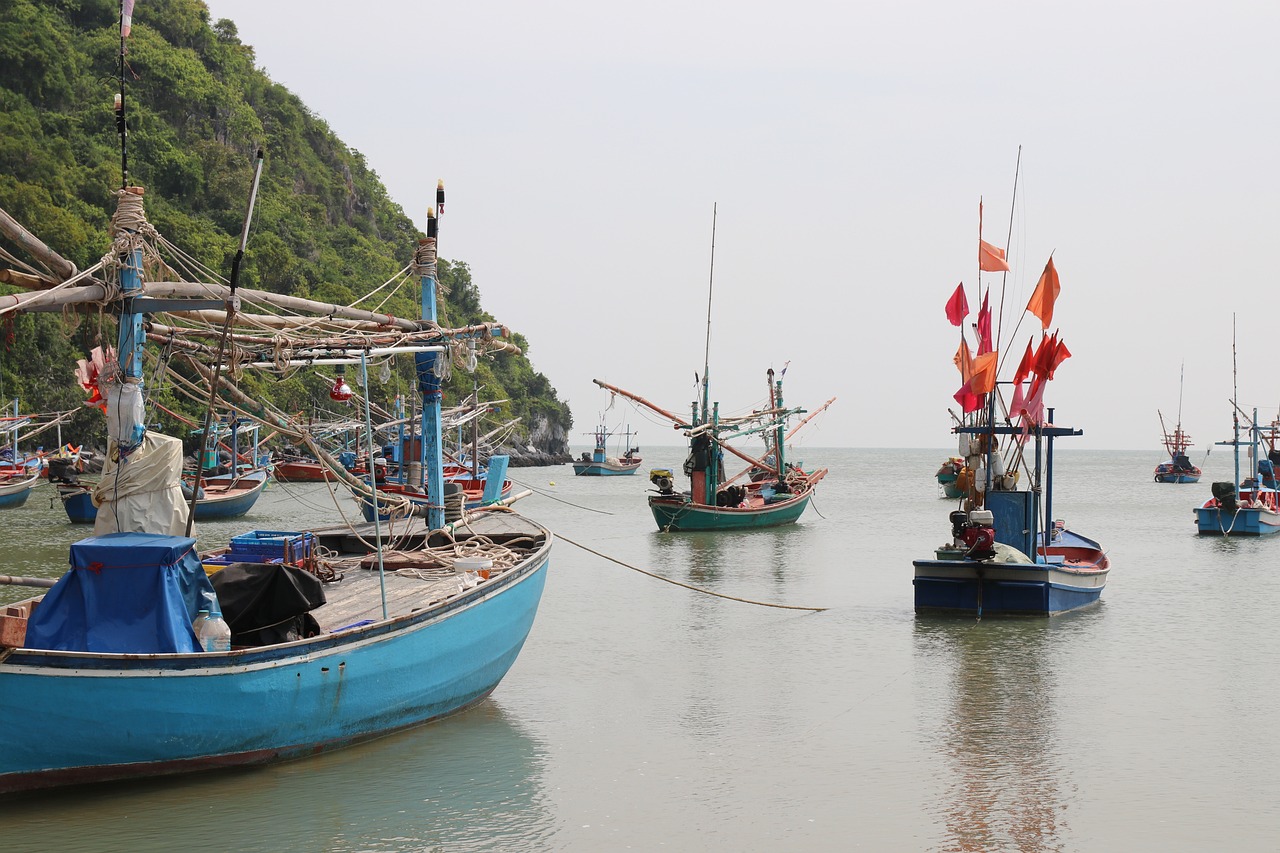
[(469, 782), (999, 734)]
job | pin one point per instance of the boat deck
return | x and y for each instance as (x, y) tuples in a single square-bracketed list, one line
[(414, 578)]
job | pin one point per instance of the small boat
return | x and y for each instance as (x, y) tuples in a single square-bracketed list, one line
[(773, 491), (598, 463), (949, 477), (65, 468), (1251, 508), (1007, 554), (18, 473), (227, 495), (300, 469), (1179, 468)]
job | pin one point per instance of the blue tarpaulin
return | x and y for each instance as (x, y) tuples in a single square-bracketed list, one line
[(131, 593)]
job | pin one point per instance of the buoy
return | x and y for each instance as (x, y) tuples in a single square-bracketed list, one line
[(552, 483)]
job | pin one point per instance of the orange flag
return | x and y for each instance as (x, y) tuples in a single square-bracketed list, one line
[(964, 360), (1045, 295), (983, 380), (991, 258)]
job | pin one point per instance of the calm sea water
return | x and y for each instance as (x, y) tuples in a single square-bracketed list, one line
[(642, 716)]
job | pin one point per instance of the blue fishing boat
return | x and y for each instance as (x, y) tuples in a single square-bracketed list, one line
[(106, 676), (1007, 554), (1249, 506), (1005, 558), (598, 463)]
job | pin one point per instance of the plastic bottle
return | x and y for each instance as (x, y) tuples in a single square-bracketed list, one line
[(215, 633)]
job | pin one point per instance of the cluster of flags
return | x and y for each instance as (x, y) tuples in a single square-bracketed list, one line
[(1039, 362)]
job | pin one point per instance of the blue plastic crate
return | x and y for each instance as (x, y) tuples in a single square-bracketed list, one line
[(282, 544)]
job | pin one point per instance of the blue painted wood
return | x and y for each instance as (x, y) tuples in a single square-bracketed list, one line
[(154, 714), (495, 476), (79, 506)]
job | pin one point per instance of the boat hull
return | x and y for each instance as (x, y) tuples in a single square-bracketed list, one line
[(15, 492), (1030, 589), (1166, 473), (233, 502), (78, 502), (300, 472), (1244, 521), (676, 514), (94, 717), (603, 469)]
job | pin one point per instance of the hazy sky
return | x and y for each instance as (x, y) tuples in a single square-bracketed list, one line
[(583, 146)]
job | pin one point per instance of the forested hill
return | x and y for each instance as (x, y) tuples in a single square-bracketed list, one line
[(198, 110)]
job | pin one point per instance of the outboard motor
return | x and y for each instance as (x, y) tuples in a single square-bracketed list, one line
[(662, 478), (1226, 495), (978, 535)]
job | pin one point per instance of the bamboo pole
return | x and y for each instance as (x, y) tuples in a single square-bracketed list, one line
[(184, 289), (53, 299), (16, 232)]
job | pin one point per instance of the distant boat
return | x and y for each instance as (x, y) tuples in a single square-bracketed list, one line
[(1248, 506), (1007, 554), (775, 493), (598, 463), (1179, 468), (18, 474), (949, 477)]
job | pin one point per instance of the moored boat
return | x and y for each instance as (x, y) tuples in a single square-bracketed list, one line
[(598, 463), (948, 477), (1007, 555), (105, 674), (1179, 468)]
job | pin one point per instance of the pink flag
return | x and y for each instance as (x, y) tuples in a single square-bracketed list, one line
[(126, 18), (984, 326), (957, 306)]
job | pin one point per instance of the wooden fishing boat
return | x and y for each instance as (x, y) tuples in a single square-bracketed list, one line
[(228, 495), (300, 470), (598, 463), (948, 476), (1007, 555), (104, 675), (774, 491), (1179, 468), (16, 486), (1248, 506)]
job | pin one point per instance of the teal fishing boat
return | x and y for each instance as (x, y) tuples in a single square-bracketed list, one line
[(769, 492)]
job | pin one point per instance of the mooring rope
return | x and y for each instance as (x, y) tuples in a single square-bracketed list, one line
[(685, 585), (559, 500)]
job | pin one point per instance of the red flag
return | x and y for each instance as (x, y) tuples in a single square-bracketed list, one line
[(1045, 294), (1045, 354), (969, 401), (984, 326), (957, 306), (1061, 354), (1024, 366), (126, 18), (991, 258)]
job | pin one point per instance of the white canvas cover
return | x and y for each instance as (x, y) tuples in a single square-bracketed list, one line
[(143, 495)]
